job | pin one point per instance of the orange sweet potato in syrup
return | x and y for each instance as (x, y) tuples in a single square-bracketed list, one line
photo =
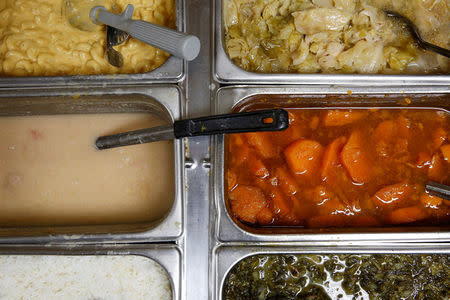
[(341, 168)]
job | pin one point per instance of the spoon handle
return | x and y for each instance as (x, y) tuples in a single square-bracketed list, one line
[(438, 189), (437, 49), (177, 43), (259, 120)]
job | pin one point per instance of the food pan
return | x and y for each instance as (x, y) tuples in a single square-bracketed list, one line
[(169, 257), (229, 229), (226, 72), (225, 257), (162, 101), (172, 71)]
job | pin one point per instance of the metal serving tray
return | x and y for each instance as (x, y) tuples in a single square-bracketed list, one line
[(170, 257), (225, 257), (172, 71), (226, 72), (228, 229), (164, 101)]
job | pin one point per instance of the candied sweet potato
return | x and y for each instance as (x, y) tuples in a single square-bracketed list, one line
[(392, 195), (385, 130), (438, 170), (340, 117), (236, 139), (326, 202), (407, 215), (384, 136), (331, 158), (403, 126), (430, 201), (439, 136), (240, 155), (314, 122), (283, 208), (265, 216), (281, 204), (257, 168), (286, 182), (423, 159), (303, 156), (247, 202), (231, 179), (261, 142), (355, 158), (445, 149)]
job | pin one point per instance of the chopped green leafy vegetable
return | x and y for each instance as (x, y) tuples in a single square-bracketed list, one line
[(377, 276)]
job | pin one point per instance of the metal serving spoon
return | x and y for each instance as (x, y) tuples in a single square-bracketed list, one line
[(415, 34), (261, 120), (114, 37), (438, 189), (86, 14)]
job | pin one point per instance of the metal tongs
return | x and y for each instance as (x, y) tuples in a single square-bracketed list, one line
[(438, 189), (261, 120)]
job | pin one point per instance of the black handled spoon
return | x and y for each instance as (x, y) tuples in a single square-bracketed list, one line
[(415, 34), (261, 120)]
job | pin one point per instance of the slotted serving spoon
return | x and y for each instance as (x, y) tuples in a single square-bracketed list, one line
[(415, 34), (86, 15), (261, 120), (114, 37)]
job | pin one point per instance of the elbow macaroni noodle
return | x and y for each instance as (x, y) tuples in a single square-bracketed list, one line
[(37, 40)]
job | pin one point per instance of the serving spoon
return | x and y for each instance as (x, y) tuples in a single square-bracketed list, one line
[(438, 189), (415, 34), (261, 120), (86, 15)]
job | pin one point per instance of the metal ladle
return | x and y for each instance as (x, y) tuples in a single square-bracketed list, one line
[(415, 34), (86, 15), (260, 120)]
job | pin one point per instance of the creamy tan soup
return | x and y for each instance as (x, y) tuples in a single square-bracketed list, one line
[(52, 174), (36, 39)]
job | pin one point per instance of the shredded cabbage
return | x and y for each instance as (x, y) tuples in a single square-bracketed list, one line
[(334, 36)]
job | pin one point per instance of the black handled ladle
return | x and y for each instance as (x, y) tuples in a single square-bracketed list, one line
[(261, 120)]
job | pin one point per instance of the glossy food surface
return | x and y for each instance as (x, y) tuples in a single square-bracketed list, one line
[(345, 276), (341, 168)]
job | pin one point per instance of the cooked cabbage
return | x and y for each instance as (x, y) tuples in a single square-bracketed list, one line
[(317, 20), (334, 36)]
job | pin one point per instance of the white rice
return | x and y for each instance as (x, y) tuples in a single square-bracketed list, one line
[(82, 277)]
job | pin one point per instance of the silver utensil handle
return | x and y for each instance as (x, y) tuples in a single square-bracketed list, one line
[(140, 136), (177, 43), (438, 189)]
